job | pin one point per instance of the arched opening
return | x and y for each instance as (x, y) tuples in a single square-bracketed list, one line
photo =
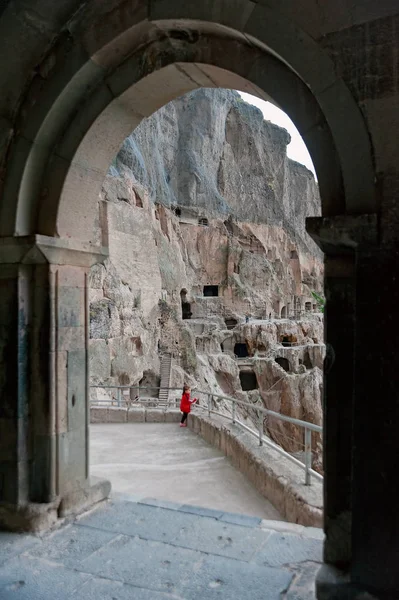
[(99, 106), (284, 312), (248, 381), (70, 96), (308, 307), (283, 362), (241, 350), (203, 221)]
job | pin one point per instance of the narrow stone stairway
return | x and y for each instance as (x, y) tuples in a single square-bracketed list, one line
[(166, 364)]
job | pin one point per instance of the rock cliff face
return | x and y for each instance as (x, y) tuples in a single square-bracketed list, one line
[(205, 216)]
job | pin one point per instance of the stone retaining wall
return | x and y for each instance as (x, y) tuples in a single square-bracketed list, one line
[(275, 477), (114, 414)]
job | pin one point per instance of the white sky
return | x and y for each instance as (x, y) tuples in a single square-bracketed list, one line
[(296, 149)]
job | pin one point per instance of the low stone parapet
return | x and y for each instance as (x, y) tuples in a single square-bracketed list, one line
[(274, 476), (114, 414)]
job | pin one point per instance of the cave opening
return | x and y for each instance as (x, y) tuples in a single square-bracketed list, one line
[(283, 362), (248, 381), (241, 350), (285, 341), (230, 323), (186, 310), (284, 312), (211, 290), (308, 307), (203, 221), (185, 306)]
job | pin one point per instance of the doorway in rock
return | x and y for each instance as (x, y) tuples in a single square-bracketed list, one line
[(211, 290), (248, 381), (241, 350), (185, 306), (284, 363)]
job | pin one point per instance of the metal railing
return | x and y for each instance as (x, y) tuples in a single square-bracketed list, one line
[(207, 401)]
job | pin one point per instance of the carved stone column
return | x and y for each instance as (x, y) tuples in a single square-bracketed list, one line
[(44, 381)]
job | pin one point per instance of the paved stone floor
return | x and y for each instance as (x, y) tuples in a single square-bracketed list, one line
[(148, 550), (165, 461)]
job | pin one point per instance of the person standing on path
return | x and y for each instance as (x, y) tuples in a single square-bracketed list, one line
[(185, 404)]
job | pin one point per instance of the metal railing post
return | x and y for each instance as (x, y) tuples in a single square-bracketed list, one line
[(308, 455), (209, 405), (119, 396), (233, 412), (260, 428)]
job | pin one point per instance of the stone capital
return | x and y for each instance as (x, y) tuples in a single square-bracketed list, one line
[(343, 234), (41, 249)]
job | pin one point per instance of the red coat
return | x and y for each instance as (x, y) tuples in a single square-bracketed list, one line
[(185, 403)]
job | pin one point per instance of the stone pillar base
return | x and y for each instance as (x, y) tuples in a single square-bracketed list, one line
[(333, 584), (84, 498), (33, 517)]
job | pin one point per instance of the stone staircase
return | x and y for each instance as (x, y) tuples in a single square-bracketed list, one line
[(166, 364)]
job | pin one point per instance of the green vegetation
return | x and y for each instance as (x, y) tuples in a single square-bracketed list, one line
[(320, 301)]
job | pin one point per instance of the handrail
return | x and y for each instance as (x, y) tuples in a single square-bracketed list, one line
[(307, 426)]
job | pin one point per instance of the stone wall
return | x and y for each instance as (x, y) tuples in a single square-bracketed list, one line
[(273, 475)]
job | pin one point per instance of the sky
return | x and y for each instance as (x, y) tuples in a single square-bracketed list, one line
[(296, 148)]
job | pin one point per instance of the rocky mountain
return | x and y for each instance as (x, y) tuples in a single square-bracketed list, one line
[(205, 216)]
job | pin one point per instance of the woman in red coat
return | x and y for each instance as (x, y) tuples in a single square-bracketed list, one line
[(185, 404)]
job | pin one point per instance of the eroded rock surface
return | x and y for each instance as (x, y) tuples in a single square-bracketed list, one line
[(206, 227)]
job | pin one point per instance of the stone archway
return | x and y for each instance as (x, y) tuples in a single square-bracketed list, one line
[(86, 79), (71, 125), (129, 73)]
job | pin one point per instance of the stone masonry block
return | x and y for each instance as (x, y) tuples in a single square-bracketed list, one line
[(117, 415), (154, 415), (172, 416), (136, 415), (98, 414)]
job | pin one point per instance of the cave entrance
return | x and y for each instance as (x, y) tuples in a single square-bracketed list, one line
[(308, 307), (248, 381), (230, 323), (186, 310), (284, 312), (185, 306), (283, 362), (241, 350), (211, 290)]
